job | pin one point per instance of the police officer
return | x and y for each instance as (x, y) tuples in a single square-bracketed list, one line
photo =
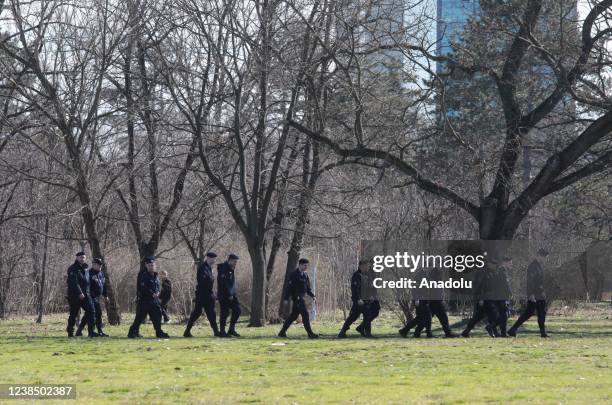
[(359, 306), (98, 292), (226, 292), (205, 297), (482, 307), (297, 287), (370, 299), (501, 294), (148, 291), (79, 295), (165, 294), (422, 320), (536, 295), (436, 304)]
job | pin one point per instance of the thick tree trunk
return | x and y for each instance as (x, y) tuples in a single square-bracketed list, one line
[(258, 289), (278, 220), (293, 255), (112, 308), (310, 176)]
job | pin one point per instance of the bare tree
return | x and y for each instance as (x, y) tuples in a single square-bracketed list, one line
[(497, 215)]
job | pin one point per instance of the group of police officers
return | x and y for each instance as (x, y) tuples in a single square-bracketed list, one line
[(86, 287)]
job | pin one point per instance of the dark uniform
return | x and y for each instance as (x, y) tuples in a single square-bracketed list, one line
[(205, 298), (98, 290), (500, 298), (228, 300), (148, 304), (370, 299), (482, 308), (369, 307), (537, 299), (79, 283), (436, 305), (422, 320), (297, 288), (164, 297)]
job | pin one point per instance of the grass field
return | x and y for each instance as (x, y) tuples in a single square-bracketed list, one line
[(573, 366)]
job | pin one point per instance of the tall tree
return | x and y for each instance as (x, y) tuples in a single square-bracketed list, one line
[(587, 152)]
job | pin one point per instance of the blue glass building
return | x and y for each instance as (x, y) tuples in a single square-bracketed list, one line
[(452, 16)]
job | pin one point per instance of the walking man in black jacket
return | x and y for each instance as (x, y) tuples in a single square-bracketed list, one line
[(422, 320), (359, 305), (79, 295), (205, 296), (166, 294), (148, 291), (297, 288), (228, 298), (98, 292), (536, 295)]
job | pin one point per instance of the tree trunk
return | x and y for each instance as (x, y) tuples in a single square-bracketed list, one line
[(112, 308), (309, 180), (258, 289), (43, 273)]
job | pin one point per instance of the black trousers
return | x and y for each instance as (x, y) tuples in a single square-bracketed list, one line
[(98, 310), (209, 308), (539, 307), (488, 310), (438, 309), (355, 312), (153, 310), (298, 308), (479, 313), (373, 311), (226, 305), (164, 308), (75, 304), (499, 315), (422, 320)]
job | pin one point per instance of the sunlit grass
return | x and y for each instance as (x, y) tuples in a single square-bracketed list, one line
[(574, 365)]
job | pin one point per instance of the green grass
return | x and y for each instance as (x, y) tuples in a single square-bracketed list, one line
[(573, 366)]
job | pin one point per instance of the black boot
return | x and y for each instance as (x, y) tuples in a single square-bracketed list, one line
[(232, 332), (361, 330), (90, 332), (215, 329), (404, 332), (79, 331), (342, 333), (283, 331), (222, 329), (132, 334), (187, 332), (311, 334)]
